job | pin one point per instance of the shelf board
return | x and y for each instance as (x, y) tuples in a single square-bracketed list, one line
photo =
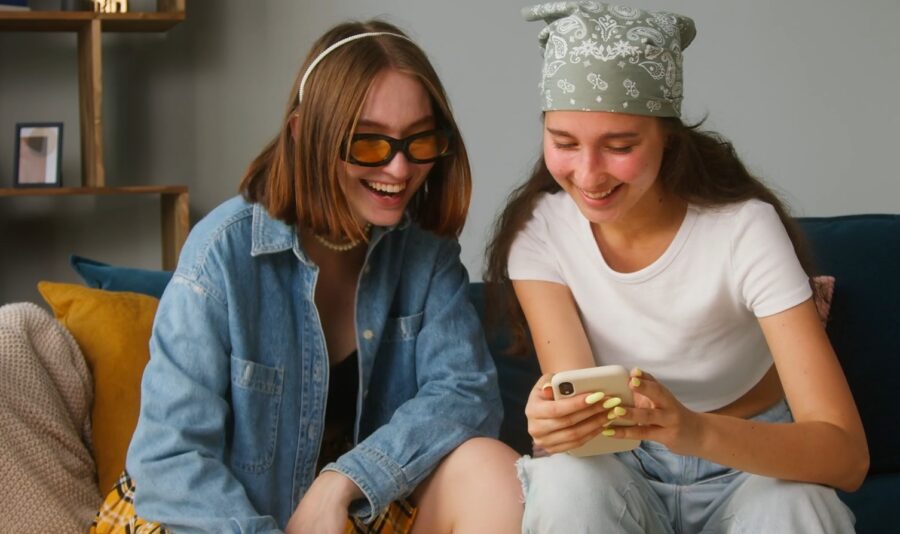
[(73, 191), (174, 210), (72, 21)]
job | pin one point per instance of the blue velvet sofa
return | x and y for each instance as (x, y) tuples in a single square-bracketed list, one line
[(862, 252)]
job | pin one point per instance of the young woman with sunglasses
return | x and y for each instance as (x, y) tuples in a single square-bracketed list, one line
[(315, 364), (642, 242)]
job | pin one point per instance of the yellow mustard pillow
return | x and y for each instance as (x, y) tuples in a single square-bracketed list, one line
[(112, 329)]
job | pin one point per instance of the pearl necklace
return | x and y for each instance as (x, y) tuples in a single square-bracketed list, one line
[(342, 247)]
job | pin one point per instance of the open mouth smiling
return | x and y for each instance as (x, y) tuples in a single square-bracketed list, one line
[(600, 195), (384, 188)]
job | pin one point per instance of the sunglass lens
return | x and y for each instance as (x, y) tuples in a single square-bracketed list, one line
[(370, 150), (429, 146)]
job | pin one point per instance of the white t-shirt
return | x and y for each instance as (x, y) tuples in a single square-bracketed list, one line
[(689, 318)]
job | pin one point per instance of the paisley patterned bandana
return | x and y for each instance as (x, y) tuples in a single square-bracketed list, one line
[(599, 57)]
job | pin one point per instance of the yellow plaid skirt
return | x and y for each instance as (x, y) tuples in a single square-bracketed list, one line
[(117, 516)]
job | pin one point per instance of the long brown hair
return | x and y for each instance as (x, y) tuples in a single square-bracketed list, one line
[(698, 166), (297, 180)]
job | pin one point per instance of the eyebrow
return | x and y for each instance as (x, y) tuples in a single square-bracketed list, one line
[(375, 124), (610, 135)]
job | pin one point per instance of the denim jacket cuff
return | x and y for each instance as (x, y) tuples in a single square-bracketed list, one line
[(380, 478)]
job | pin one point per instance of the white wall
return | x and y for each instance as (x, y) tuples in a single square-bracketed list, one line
[(806, 89)]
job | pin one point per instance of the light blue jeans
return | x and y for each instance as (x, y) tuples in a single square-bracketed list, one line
[(652, 490)]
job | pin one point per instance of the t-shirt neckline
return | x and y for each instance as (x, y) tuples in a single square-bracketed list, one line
[(658, 265)]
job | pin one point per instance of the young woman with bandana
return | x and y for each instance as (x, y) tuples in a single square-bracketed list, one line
[(644, 242), (316, 365)]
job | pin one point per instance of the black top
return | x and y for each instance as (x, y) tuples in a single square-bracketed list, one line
[(340, 410)]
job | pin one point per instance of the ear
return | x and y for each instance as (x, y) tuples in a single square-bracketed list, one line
[(293, 122)]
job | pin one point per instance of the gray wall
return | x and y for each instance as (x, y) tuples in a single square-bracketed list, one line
[(806, 89)]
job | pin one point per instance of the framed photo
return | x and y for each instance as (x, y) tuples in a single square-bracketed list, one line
[(38, 155)]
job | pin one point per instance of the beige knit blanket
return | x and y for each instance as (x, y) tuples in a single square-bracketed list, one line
[(47, 475)]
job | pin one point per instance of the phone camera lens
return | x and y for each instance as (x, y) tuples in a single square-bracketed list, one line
[(566, 388)]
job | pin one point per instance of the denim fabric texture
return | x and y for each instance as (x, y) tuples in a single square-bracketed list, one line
[(234, 396), (651, 490)]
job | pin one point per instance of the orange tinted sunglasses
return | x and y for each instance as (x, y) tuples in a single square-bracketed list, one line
[(375, 150)]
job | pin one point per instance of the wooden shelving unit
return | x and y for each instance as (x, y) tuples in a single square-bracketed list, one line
[(174, 214), (89, 27), (73, 21)]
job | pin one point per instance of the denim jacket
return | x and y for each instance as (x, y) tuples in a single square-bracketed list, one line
[(233, 399)]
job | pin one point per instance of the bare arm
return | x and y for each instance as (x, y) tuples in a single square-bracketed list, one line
[(561, 344), (324, 507), (825, 445), (556, 329)]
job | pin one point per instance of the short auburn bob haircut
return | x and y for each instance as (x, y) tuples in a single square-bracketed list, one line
[(297, 181)]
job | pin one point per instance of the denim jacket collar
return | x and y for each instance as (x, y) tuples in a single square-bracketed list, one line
[(272, 235)]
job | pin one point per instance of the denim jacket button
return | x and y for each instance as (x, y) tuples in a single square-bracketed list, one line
[(368, 334)]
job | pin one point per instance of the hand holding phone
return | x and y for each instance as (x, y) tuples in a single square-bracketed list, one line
[(611, 380)]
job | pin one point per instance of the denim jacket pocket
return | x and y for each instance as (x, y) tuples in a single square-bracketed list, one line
[(402, 328), (256, 402)]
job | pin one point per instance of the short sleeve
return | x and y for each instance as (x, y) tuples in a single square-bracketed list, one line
[(531, 256), (769, 276)]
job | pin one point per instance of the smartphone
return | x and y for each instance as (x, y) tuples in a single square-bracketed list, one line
[(610, 379)]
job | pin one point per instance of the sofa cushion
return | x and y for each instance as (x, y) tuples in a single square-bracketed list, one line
[(113, 278), (875, 504), (516, 373), (862, 252), (113, 331)]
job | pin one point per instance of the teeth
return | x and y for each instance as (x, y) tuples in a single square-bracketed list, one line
[(386, 188), (601, 195)]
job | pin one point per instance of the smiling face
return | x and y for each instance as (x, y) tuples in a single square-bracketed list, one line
[(397, 105), (607, 162)]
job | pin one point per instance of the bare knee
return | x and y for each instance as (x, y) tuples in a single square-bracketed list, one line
[(475, 488), (478, 464), (481, 460)]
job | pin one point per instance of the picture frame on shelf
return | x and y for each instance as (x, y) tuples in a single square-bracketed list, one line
[(14, 5), (38, 154)]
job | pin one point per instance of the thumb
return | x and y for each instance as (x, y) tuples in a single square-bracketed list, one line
[(545, 388)]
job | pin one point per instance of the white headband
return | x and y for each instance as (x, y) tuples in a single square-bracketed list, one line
[(332, 47)]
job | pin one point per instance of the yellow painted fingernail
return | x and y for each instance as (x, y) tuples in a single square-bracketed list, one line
[(594, 397), (619, 411), (611, 415), (637, 372), (635, 381), (609, 432), (615, 401)]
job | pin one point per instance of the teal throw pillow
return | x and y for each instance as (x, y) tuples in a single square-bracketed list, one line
[(112, 278)]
